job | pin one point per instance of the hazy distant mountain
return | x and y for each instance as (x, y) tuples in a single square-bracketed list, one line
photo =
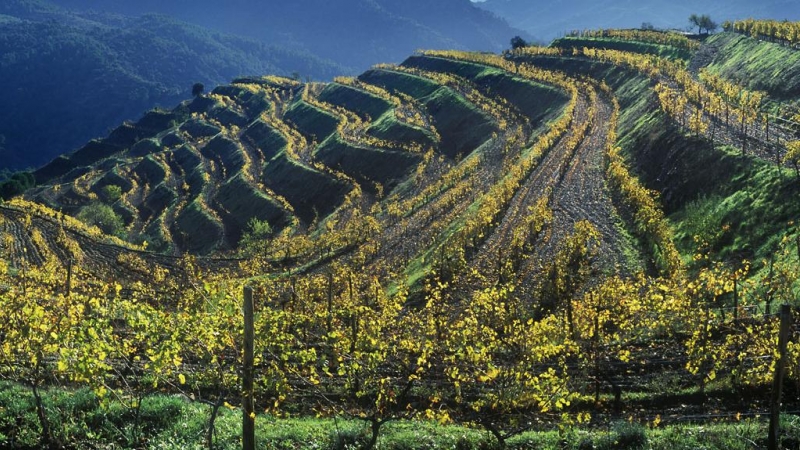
[(549, 19), (356, 33), (69, 77)]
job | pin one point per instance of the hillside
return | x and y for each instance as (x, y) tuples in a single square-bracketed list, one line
[(354, 33), (763, 66), (550, 20), (69, 78), (594, 235)]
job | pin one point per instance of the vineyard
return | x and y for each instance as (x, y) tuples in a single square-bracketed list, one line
[(556, 238)]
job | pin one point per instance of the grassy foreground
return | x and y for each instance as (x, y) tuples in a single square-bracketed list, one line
[(78, 420)]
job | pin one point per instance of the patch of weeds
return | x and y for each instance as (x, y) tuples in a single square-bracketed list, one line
[(348, 439), (624, 435)]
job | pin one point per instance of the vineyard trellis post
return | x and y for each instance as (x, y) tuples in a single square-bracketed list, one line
[(248, 406), (68, 287), (773, 441), (797, 239), (735, 298), (329, 317), (596, 344)]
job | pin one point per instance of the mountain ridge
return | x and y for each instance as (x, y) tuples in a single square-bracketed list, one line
[(355, 33), (147, 60), (73, 79)]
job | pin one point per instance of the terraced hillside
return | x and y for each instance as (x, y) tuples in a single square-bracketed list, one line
[(423, 150), (274, 150), (455, 150), (578, 190)]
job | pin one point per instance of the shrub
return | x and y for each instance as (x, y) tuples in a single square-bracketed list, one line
[(102, 216), (112, 193)]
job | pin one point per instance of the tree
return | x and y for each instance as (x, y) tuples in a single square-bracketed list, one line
[(518, 42), (102, 216), (256, 239), (16, 184), (708, 24), (197, 89), (694, 19), (703, 22)]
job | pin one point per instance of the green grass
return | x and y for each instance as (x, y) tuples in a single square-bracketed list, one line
[(227, 152), (251, 103), (186, 158), (171, 139), (461, 125), (78, 419), (151, 171), (312, 193), (313, 122), (160, 120), (664, 51), (757, 64), (388, 128), (537, 101), (705, 188), (227, 116), (381, 112), (144, 148), (199, 128), (702, 187), (366, 165), (156, 240), (747, 212), (159, 199), (112, 177), (265, 138), (421, 265), (243, 202), (360, 102), (196, 230), (408, 84)]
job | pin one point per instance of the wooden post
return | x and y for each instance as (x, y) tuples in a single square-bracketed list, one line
[(773, 441), (329, 320), (596, 344), (704, 351), (441, 263), (248, 405), (499, 263), (293, 299), (570, 319), (798, 244), (735, 298), (68, 287), (768, 300)]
